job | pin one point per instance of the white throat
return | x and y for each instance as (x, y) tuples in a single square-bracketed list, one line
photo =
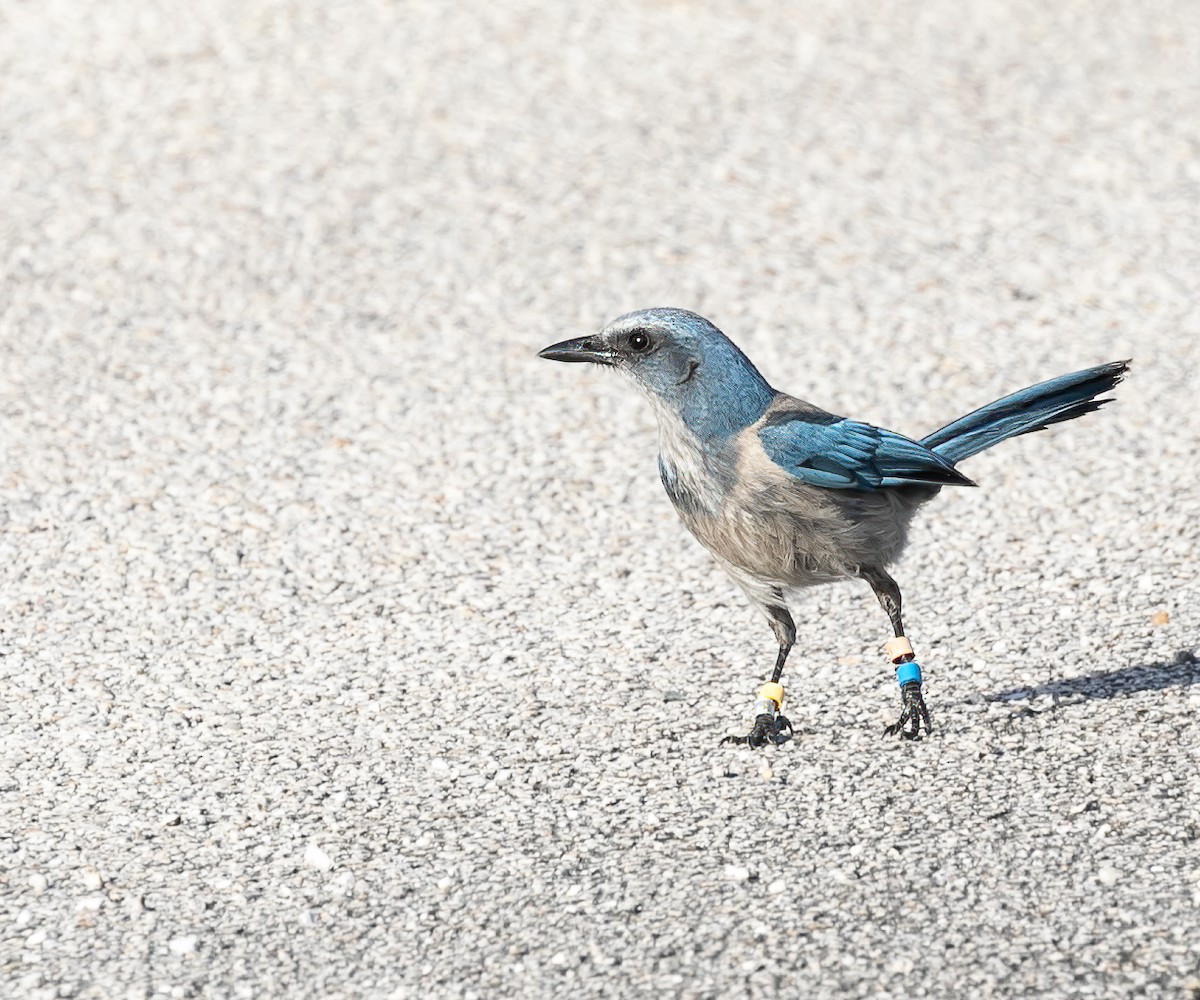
[(682, 461)]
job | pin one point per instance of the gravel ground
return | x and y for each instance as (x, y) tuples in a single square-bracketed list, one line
[(348, 650)]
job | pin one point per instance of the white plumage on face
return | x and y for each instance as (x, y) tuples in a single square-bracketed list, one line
[(691, 368)]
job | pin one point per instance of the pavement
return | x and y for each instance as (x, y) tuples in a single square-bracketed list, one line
[(348, 650)]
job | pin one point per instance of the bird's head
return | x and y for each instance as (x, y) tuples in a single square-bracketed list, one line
[(683, 362)]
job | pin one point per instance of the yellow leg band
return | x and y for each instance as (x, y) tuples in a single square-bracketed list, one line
[(772, 692), (897, 648)]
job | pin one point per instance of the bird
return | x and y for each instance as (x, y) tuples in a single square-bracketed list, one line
[(786, 495)]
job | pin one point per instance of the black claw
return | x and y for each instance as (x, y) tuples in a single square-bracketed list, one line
[(767, 729), (913, 714)]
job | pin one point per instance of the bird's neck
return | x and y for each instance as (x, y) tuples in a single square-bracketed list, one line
[(716, 419), (697, 426), (697, 473), (724, 396)]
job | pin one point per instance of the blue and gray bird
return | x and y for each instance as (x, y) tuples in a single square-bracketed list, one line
[(786, 495)]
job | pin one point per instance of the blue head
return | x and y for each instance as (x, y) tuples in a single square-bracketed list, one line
[(684, 363)]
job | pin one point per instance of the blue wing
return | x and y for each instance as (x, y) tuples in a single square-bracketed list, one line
[(823, 450)]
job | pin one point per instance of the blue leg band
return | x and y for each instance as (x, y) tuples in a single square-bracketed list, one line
[(907, 672)]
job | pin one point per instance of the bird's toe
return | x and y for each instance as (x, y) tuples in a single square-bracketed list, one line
[(914, 716), (767, 728)]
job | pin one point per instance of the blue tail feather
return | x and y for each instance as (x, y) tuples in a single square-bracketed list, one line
[(1031, 409)]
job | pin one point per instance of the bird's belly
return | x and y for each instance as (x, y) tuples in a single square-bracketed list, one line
[(788, 551), (806, 540)]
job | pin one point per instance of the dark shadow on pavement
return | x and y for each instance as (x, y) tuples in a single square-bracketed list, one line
[(1182, 671)]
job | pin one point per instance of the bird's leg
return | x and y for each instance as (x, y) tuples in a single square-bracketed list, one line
[(770, 725), (913, 713)]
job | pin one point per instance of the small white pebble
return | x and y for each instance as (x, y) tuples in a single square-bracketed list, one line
[(342, 884), (92, 880), (765, 772), (776, 887), (38, 882), (183, 945), (1108, 875), (316, 858), (737, 873)]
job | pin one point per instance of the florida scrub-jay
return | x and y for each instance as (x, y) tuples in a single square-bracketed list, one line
[(786, 495)]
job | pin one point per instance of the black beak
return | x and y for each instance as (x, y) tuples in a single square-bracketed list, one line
[(580, 349)]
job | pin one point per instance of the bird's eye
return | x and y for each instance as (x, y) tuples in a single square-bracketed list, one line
[(639, 341)]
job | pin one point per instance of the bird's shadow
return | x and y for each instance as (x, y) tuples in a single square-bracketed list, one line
[(1182, 671)]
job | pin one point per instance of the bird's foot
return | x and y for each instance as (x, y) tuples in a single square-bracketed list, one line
[(767, 729), (913, 714), (770, 725)]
